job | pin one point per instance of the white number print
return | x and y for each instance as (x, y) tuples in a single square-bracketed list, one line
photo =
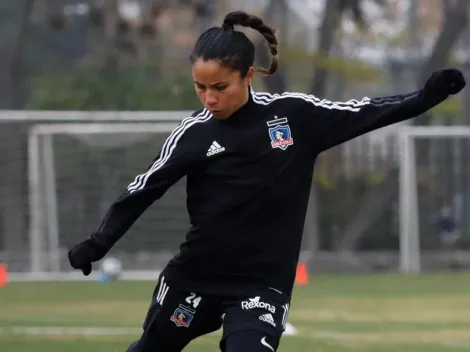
[(193, 300)]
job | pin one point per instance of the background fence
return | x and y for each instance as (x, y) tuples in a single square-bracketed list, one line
[(63, 57)]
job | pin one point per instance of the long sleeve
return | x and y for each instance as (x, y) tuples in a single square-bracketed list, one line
[(333, 123), (171, 164)]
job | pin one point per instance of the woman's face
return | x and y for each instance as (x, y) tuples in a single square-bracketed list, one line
[(221, 89)]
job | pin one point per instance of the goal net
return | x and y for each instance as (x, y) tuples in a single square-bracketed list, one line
[(57, 184), (434, 197), (76, 171)]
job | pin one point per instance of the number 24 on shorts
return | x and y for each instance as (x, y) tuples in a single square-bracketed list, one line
[(193, 300)]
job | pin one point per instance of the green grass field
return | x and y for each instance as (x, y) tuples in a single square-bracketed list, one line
[(335, 313)]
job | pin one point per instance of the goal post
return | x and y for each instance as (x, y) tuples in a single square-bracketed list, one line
[(410, 259), (99, 153), (44, 225), (408, 225)]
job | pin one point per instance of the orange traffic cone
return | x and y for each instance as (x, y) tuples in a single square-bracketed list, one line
[(301, 276), (3, 274)]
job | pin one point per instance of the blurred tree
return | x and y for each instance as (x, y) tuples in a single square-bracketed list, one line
[(333, 14), (277, 83), (380, 199), (118, 77), (47, 39), (130, 72), (329, 35), (136, 87), (13, 142)]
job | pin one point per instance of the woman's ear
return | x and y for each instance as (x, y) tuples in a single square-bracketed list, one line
[(250, 75)]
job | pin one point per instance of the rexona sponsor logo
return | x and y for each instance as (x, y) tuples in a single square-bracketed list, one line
[(254, 303)]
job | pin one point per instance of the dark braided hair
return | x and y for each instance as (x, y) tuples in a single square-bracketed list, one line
[(233, 48)]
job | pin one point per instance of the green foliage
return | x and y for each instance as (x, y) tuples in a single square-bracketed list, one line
[(450, 108), (334, 216), (299, 63), (129, 88), (348, 69)]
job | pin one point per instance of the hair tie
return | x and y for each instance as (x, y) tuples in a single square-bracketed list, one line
[(227, 26)]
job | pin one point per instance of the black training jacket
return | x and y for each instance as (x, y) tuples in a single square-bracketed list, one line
[(248, 182)]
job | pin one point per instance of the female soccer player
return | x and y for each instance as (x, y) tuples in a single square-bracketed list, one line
[(248, 158)]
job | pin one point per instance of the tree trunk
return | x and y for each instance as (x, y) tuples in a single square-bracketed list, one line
[(13, 141), (379, 200), (277, 83), (327, 37), (327, 34)]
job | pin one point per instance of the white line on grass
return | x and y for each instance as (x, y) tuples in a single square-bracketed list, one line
[(89, 331), (461, 344), (339, 336), (123, 331), (83, 331), (60, 330), (351, 337)]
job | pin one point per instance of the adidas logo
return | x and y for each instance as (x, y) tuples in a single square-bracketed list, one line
[(268, 318), (214, 149)]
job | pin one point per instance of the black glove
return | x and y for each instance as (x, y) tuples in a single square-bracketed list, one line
[(84, 253), (443, 83)]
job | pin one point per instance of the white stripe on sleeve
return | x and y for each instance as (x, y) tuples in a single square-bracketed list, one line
[(167, 149)]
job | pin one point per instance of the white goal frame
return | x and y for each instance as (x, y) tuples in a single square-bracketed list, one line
[(408, 189), (409, 255), (43, 217)]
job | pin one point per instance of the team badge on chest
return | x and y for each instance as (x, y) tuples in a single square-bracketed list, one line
[(280, 133)]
